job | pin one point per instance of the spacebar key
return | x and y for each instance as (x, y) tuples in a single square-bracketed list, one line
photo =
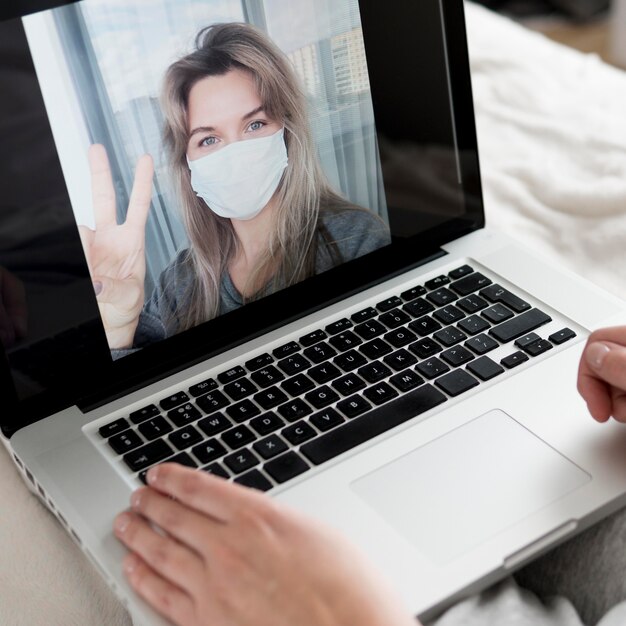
[(372, 424), (520, 325)]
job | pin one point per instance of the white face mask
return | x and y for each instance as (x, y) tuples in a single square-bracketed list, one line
[(238, 181)]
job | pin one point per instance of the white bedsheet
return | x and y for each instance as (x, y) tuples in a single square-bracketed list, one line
[(552, 139)]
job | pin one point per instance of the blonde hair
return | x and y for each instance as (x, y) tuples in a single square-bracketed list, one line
[(303, 190)]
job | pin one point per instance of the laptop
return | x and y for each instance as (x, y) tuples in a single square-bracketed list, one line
[(417, 394)]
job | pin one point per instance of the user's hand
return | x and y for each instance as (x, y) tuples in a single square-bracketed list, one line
[(232, 555), (602, 374), (13, 312), (116, 252)]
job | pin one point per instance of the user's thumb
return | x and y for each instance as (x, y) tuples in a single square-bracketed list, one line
[(607, 361), (124, 295)]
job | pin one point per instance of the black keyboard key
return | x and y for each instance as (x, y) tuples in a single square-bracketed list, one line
[(413, 293), (237, 437), (217, 470), (562, 336), (240, 389), (174, 400), (380, 393), (459, 272), (243, 411), (232, 374), (320, 352), (269, 398), (394, 319), (185, 437), (349, 384), (496, 293), (364, 314), (285, 467), (214, 424), (520, 325), (497, 313), (294, 410), (353, 406), (286, 350), (472, 304), (113, 428), (267, 376), (182, 458), (370, 330), (376, 349), (147, 455), (449, 314), (298, 433), (321, 397), (418, 307), (538, 347), (184, 414), (258, 362), (523, 341), (241, 461), (456, 382), (373, 372), (468, 284), (352, 359), (323, 373), (212, 401), (294, 364), (481, 344), (155, 428), (146, 413), (267, 423), (442, 296), (345, 341), (406, 380), (425, 348), (435, 283), (312, 338), (204, 387), (513, 360), (128, 440), (473, 325), (366, 427), (208, 451), (399, 360), (388, 304), (485, 368), (450, 336), (270, 446), (458, 355), (432, 368), (297, 385), (400, 337), (338, 326), (255, 480), (425, 326), (326, 419)]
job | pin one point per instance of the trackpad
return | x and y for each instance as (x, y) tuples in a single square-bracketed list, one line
[(459, 490)]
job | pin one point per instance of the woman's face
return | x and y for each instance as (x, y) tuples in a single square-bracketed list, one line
[(224, 109)]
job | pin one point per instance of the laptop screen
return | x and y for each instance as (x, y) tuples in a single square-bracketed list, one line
[(178, 171)]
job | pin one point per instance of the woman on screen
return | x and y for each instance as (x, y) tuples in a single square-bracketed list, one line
[(259, 213)]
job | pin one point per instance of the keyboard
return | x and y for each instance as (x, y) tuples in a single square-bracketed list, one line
[(275, 416)]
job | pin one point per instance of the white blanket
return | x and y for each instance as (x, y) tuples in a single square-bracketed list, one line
[(552, 138)]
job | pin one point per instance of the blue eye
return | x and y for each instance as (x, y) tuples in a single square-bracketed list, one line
[(256, 125), (208, 141)]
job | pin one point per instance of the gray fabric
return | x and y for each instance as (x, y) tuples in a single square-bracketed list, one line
[(581, 582)]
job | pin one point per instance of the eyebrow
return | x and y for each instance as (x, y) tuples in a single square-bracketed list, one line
[(210, 129)]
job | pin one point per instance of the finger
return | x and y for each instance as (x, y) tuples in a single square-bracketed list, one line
[(201, 491), (618, 408), (607, 361), (86, 239), (164, 555), (184, 524), (141, 194), (14, 301), (166, 598), (125, 295), (102, 189), (597, 395)]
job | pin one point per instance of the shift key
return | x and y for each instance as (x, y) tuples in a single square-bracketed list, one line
[(520, 325)]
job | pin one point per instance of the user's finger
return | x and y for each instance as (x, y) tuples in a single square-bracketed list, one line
[(618, 405), (201, 491), (141, 194), (102, 189), (166, 598)]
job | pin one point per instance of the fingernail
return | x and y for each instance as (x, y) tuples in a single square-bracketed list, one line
[(152, 475), (135, 499), (596, 353), (97, 287), (121, 523)]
